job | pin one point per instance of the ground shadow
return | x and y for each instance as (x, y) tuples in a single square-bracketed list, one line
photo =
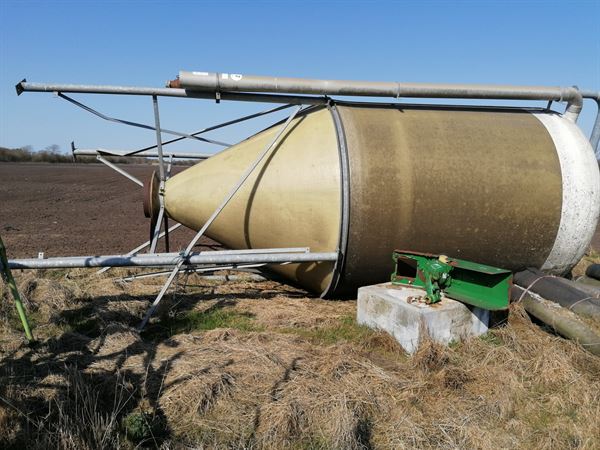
[(87, 326)]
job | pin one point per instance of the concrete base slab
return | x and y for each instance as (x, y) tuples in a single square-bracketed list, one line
[(393, 308)]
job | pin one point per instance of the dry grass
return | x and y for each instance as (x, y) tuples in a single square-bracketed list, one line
[(260, 365), (591, 257)]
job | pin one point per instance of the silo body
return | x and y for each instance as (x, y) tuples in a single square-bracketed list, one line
[(509, 187)]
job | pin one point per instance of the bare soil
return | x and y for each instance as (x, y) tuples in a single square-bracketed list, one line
[(74, 209)]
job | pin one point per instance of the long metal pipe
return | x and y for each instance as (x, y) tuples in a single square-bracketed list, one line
[(237, 268), (595, 136), (71, 262), (145, 154), (215, 82), (25, 86)]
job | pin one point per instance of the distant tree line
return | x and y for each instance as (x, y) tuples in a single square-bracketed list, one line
[(52, 154), (27, 154)]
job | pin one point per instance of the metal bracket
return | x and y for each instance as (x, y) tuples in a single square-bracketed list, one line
[(479, 285)]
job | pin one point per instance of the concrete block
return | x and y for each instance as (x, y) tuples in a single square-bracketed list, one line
[(392, 308)]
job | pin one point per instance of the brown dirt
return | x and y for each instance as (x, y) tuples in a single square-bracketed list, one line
[(74, 209)]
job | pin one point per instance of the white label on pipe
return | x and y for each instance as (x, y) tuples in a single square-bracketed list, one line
[(224, 76), (236, 76)]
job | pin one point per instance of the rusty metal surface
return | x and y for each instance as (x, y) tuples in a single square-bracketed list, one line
[(479, 185), (151, 202)]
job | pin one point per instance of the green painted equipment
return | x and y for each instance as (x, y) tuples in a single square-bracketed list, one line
[(6, 276), (468, 282)]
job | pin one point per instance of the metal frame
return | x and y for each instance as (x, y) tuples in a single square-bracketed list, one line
[(259, 256), (402, 90), (266, 90), (595, 135), (214, 215), (216, 82), (146, 154), (344, 201)]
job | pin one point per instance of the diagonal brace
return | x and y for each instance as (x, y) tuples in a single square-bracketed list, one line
[(215, 214), (119, 170), (138, 125)]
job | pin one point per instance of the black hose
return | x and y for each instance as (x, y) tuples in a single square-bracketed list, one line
[(554, 289), (593, 271)]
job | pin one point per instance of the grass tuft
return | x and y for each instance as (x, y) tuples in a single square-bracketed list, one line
[(344, 329), (196, 321)]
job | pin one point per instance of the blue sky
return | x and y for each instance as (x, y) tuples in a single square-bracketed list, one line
[(147, 42)]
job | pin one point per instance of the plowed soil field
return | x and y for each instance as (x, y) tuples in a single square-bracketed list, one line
[(74, 209)]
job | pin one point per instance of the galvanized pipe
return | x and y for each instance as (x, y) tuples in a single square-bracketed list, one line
[(25, 86), (119, 170), (249, 277), (71, 262), (143, 246), (215, 82), (161, 165), (595, 136), (225, 278), (145, 154), (240, 268)]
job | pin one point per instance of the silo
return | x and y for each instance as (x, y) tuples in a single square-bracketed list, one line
[(510, 187)]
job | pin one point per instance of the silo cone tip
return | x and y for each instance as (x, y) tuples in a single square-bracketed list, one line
[(292, 199), (152, 201)]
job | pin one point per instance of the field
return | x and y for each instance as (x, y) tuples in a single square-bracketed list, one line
[(247, 364), (73, 209)]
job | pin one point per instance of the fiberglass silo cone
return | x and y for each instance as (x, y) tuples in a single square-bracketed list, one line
[(511, 187)]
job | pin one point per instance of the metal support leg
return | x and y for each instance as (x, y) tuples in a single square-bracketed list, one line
[(215, 214), (165, 217), (159, 148), (10, 281), (157, 233), (161, 174), (169, 166)]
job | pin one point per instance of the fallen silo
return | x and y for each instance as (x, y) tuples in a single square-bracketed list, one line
[(509, 187)]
